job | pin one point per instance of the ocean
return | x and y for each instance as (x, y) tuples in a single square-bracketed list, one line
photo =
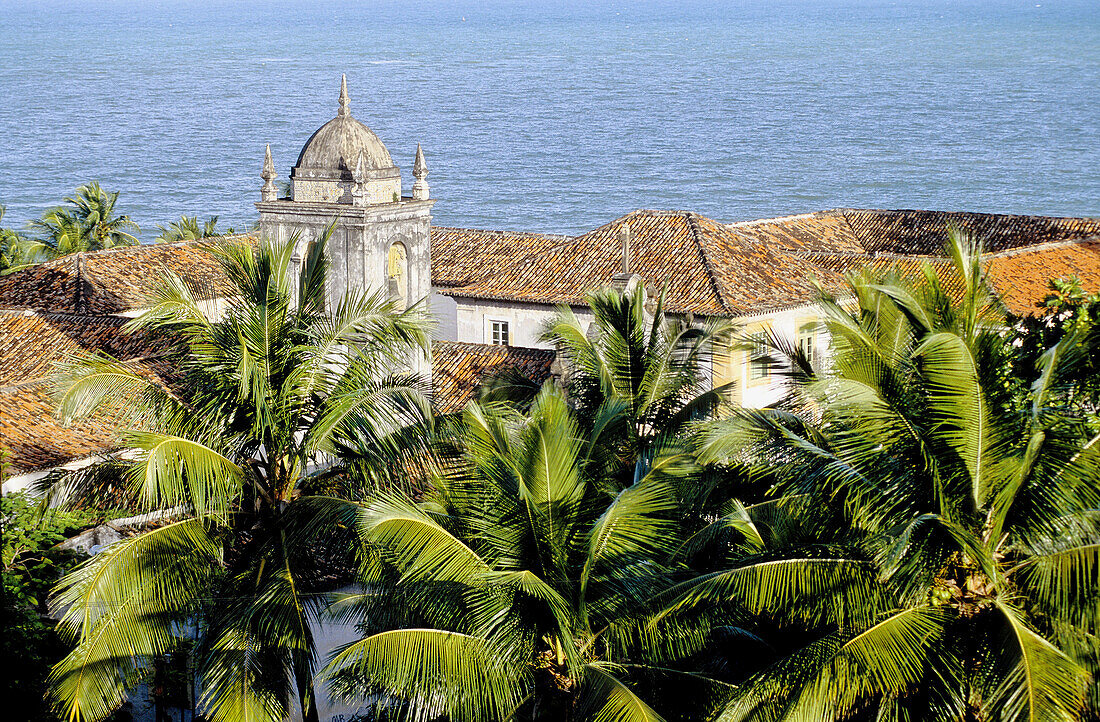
[(561, 116)]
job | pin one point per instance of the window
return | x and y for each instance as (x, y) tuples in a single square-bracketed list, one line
[(807, 343), (498, 333), (759, 360)]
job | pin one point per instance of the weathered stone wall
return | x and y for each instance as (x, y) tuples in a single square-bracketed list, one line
[(359, 247)]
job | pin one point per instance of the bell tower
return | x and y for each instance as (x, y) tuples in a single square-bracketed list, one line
[(382, 239)]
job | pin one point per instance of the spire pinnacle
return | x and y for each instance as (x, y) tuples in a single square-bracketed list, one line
[(344, 96), (360, 172), (359, 175), (420, 173), (420, 168), (269, 165), (269, 192)]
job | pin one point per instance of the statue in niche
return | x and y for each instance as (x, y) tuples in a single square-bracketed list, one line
[(397, 276)]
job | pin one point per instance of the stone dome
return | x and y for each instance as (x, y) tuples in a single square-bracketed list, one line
[(332, 153)]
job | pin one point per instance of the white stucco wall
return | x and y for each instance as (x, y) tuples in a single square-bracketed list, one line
[(470, 320), (445, 312), (525, 320)]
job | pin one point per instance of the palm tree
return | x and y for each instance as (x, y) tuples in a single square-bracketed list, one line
[(961, 578), (637, 373), (89, 223), (16, 250), (270, 392), (95, 209), (61, 232), (187, 228), (520, 583)]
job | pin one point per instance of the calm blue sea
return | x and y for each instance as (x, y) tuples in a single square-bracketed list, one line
[(560, 116)]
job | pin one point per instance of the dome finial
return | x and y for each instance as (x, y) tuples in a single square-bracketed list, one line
[(344, 96), (420, 173), (269, 192)]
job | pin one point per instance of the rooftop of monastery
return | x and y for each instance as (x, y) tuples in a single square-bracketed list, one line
[(707, 269), (710, 268), (31, 344), (459, 368), (462, 256), (753, 267), (115, 280)]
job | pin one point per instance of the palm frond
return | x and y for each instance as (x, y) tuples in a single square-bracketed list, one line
[(419, 546), (606, 699), (1026, 678), (811, 588), (438, 672), (123, 607), (173, 471)]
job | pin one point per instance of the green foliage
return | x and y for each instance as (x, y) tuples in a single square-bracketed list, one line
[(16, 250), (30, 532), (637, 377), (276, 384), (1067, 311), (187, 228), (524, 580), (911, 535), (87, 223), (969, 500), (32, 566)]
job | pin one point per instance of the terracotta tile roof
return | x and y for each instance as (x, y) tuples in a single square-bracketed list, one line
[(30, 345), (821, 231), (463, 255), (458, 368), (709, 269), (835, 265), (1020, 276), (36, 439), (852, 230), (115, 280), (924, 232)]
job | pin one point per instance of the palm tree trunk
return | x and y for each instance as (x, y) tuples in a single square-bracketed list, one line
[(307, 699)]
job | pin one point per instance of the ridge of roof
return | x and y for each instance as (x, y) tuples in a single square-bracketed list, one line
[(502, 232), (776, 219), (708, 267), (1041, 247)]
